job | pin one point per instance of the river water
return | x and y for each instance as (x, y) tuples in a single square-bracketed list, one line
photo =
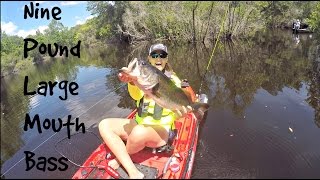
[(263, 121)]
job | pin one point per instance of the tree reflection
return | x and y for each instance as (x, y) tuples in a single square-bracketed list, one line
[(15, 105), (314, 86), (271, 60)]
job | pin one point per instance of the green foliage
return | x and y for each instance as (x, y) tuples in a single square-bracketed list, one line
[(105, 31), (11, 52), (275, 13), (57, 33), (109, 16), (185, 19), (147, 20), (23, 65), (314, 19), (11, 44)]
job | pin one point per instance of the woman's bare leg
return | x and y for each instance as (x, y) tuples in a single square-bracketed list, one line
[(113, 130), (145, 135), (142, 136)]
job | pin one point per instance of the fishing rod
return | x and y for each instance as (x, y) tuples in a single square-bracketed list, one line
[(214, 49)]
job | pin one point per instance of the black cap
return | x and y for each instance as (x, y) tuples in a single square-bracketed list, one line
[(158, 47)]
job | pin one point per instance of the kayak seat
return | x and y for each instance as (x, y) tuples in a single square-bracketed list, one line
[(167, 147)]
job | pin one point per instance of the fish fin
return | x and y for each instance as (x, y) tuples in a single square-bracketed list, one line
[(132, 63), (199, 109)]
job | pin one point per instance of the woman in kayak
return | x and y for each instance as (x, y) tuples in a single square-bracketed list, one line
[(152, 124)]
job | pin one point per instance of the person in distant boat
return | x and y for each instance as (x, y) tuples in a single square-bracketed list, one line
[(153, 125), (298, 24)]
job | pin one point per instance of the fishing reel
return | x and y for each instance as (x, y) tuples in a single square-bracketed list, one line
[(203, 98)]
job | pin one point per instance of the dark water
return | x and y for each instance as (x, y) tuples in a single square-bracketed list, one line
[(263, 122)]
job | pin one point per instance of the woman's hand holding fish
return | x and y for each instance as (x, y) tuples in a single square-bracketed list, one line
[(183, 110), (124, 78)]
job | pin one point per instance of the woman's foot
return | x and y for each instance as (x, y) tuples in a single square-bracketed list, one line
[(114, 163), (137, 175)]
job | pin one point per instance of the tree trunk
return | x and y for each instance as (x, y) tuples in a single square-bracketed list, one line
[(205, 34), (194, 39)]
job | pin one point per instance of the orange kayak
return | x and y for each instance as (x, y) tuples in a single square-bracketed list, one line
[(176, 163)]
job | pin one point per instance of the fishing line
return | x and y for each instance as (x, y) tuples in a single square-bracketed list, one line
[(64, 127), (214, 49), (69, 160), (78, 165)]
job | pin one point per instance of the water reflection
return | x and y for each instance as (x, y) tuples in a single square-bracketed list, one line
[(243, 79), (314, 85)]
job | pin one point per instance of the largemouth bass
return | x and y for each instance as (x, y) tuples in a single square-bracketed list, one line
[(156, 85)]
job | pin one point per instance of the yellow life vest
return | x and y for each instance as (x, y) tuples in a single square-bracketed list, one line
[(167, 116)]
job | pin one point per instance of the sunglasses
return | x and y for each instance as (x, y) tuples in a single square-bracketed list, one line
[(158, 55)]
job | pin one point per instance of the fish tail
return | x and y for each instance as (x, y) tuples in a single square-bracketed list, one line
[(200, 109)]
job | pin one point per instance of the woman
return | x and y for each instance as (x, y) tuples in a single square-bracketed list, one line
[(152, 123)]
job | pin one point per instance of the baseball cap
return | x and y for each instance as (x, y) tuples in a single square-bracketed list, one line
[(158, 47)]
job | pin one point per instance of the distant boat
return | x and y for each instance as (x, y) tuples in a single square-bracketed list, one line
[(301, 30)]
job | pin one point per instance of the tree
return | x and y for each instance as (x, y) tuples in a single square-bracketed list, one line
[(314, 20), (57, 32)]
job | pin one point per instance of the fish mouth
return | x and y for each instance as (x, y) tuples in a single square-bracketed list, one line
[(140, 73), (132, 69)]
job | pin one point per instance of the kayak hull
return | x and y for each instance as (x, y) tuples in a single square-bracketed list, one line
[(174, 164)]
